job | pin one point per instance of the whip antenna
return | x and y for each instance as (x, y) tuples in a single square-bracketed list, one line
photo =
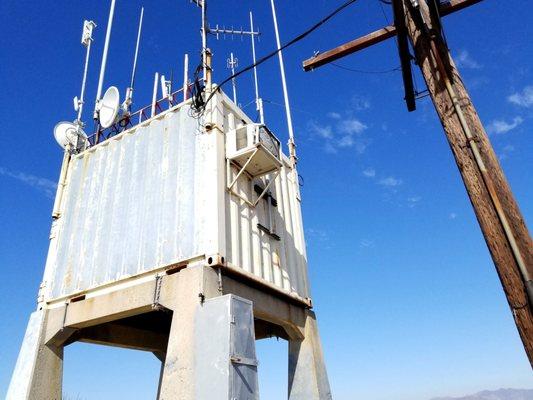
[(104, 59), (292, 146), (258, 100), (129, 91)]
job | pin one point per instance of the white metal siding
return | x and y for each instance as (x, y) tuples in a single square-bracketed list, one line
[(132, 204), (280, 262), (156, 195)]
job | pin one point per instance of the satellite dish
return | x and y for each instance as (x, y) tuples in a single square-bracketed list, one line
[(109, 107), (70, 134)]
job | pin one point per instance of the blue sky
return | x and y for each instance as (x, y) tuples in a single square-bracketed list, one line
[(408, 300)]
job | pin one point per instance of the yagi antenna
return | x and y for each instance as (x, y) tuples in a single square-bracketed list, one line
[(104, 59), (129, 91), (86, 40)]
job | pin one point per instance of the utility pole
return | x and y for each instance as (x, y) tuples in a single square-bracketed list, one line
[(497, 212)]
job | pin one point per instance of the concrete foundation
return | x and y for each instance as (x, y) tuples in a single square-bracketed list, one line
[(190, 319)]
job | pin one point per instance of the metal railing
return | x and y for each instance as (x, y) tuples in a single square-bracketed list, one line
[(127, 121)]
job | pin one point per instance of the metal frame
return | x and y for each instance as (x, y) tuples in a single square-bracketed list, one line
[(242, 170)]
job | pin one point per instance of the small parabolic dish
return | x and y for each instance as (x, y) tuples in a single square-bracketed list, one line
[(67, 133), (109, 107)]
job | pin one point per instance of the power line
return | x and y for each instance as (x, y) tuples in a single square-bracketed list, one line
[(360, 71), (289, 43)]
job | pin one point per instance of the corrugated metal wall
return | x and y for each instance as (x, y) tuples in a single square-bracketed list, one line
[(131, 205), (282, 261), (149, 197)]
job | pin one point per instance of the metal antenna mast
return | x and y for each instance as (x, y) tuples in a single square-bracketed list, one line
[(129, 91), (86, 40), (204, 31), (204, 39), (292, 146), (258, 100), (104, 59), (232, 63)]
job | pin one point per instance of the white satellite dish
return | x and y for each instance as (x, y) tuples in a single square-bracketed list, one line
[(70, 134), (109, 106)]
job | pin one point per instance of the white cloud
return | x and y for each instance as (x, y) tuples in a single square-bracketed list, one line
[(413, 201), (506, 151), (334, 115), (453, 215), (361, 145), (366, 243), (324, 132), (360, 103), (500, 126), (329, 148), (346, 141), (524, 98), (318, 234), (369, 173), (344, 133), (390, 182), (44, 185), (352, 126), (465, 60)]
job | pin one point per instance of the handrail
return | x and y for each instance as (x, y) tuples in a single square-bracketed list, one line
[(128, 121)]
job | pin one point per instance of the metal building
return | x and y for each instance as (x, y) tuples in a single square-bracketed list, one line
[(183, 237)]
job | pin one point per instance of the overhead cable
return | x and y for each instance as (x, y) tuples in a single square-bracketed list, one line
[(289, 43)]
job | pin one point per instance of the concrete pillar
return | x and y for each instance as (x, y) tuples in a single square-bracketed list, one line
[(308, 379), (192, 286), (211, 347), (38, 373)]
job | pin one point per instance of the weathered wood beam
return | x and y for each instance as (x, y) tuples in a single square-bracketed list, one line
[(497, 212), (375, 37)]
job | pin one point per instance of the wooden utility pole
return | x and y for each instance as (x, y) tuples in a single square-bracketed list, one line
[(496, 210)]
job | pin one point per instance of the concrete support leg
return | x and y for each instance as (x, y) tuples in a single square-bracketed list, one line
[(184, 298), (39, 370), (211, 347), (308, 379)]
